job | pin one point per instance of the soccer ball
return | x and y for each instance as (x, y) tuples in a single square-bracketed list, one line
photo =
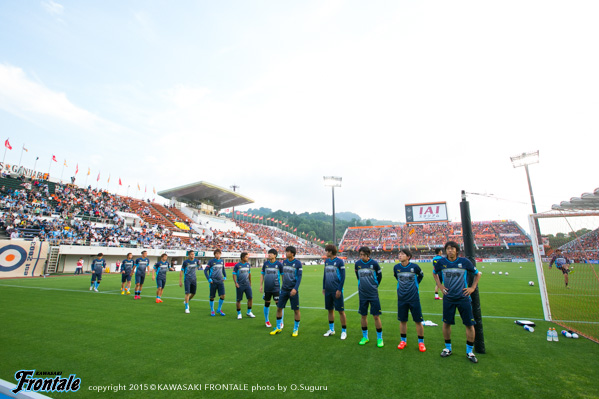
[(531, 283), (492, 272), (500, 272), (506, 273)]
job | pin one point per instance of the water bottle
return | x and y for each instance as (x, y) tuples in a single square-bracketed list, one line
[(529, 328), (555, 336), (566, 334), (549, 335)]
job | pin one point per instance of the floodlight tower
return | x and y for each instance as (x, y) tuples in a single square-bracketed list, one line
[(234, 187), (525, 159), (332, 181)]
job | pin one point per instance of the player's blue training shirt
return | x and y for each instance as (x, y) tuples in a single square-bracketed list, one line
[(435, 260), (242, 271), (292, 275), (215, 270), (190, 268), (98, 265), (369, 277), (141, 265), (408, 279), (334, 275), (161, 268), (272, 273), (559, 261), (454, 276), (127, 266)]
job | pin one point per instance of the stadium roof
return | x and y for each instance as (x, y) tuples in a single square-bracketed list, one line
[(586, 202), (203, 192)]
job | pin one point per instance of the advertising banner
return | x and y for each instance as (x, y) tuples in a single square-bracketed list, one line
[(20, 258)]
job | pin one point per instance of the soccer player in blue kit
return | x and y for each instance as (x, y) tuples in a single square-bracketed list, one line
[(126, 271), (97, 267), (562, 263), (141, 265), (438, 255), (242, 278), (189, 274), (332, 289), (292, 277), (408, 276), (456, 294), (161, 267), (369, 277), (270, 282), (216, 275)]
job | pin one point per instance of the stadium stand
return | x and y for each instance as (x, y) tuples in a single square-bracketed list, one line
[(585, 247), (488, 235)]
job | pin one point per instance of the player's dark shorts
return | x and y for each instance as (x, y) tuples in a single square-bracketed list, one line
[(564, 270), (247, 290), (331, 302), (464, 307), (160, 282), (125, 277), (284, 296), (190, 286), (375, 306), (273, 295), (140, 278), (97, 276), (414, 307), (214, 286)]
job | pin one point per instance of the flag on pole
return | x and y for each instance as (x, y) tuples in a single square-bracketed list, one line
[(146, 189), (77, 169), (7, 145), (154, 188), (65, 163), (98, 179), (120, 183), (54, 158), (138, 188), (25, 149), (88, 171), (294, 230), (108, 178)]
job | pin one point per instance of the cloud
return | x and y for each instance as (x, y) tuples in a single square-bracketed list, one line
[(32, 101), (52, 7)]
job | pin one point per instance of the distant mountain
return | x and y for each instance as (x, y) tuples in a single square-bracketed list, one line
[(347, 216)]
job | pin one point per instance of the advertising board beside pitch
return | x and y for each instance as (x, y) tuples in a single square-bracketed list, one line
[(20, 258)]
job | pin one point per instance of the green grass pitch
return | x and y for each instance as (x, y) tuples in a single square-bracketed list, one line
[(57, 324)]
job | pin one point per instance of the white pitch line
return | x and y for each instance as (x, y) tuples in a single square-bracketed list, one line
[(354, 294), (256, 304)]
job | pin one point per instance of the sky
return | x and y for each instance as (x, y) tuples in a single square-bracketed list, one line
[(407, 101)]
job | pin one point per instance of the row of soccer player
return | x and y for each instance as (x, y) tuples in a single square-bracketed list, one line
[(280, 282)]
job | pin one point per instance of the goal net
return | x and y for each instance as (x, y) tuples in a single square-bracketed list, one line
[(567, 262)]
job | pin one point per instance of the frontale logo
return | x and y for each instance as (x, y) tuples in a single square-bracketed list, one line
[(29, 380)]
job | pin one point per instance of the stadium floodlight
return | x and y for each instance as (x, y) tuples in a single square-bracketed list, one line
[(332, 181), (525, 159)]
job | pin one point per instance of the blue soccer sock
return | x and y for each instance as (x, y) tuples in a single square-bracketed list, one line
[(404, 338), (365, 332), (220, 304), (239, 312), (212, 306), (379, 333), (266, 311), (420, 340), (279, 322), (469, 346), (186, 305), (448, 344), (343, 328), (332, 326), (296, 325)]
